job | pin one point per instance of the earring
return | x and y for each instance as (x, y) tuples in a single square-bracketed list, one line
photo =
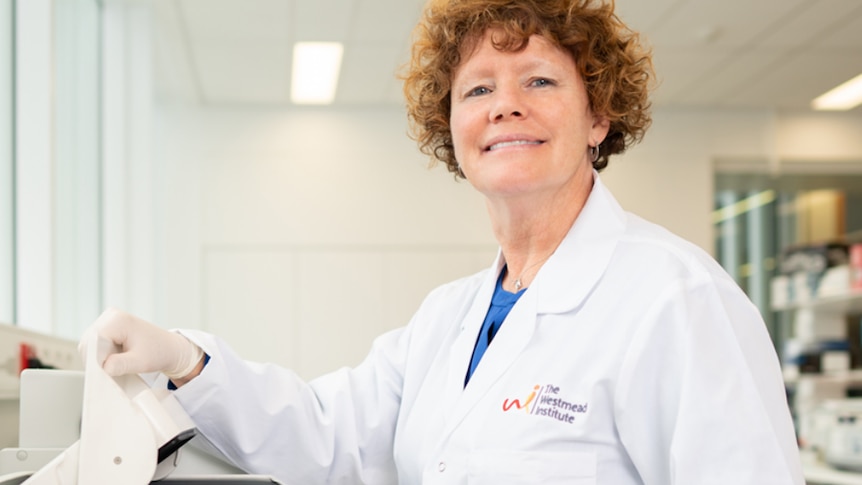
[(594, 153)]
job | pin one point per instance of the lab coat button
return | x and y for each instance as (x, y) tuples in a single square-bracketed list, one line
[(441, 467)]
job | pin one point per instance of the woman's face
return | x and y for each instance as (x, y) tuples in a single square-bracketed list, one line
[(521, 121)]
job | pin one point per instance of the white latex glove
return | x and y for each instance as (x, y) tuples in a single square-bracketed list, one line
[(144, 347)]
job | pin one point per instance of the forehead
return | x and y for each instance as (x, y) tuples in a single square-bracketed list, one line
[(495, 43)]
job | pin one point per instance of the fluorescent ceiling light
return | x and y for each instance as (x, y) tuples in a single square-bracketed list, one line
[(728, 212), (315, 72), (844, 97)]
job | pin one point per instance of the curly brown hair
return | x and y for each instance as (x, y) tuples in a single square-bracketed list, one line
[(616, 68)]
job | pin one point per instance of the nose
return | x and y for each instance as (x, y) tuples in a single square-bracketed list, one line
[(508, 104)]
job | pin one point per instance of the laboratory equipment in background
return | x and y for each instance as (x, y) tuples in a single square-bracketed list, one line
[(22, 349), (818, 291), (837, 433), (87, 427)]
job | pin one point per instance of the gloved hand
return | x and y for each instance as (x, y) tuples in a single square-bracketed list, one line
[(144, 347)]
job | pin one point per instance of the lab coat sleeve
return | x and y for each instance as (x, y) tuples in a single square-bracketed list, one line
[(700, 398), (338, 428)]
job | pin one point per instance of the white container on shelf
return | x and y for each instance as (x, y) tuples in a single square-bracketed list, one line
[(840, 424), (811, 326), (800, 287), (779, 293), (808, 401), (835, 281)]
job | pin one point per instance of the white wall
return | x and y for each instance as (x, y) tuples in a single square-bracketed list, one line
[(300, 235), (831, 137)]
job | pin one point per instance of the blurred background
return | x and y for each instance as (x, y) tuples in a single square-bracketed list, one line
[(155, 156)]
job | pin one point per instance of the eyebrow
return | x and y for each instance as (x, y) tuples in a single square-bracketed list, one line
[(485, 71)]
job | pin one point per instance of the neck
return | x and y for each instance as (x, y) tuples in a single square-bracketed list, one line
[(530, 231)]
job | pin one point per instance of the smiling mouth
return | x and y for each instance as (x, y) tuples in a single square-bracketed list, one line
[(505, 144)]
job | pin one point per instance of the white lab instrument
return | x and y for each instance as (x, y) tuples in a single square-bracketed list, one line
[(130, 433), (836, 433)]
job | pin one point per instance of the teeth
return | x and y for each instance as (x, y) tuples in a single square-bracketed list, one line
[(512, 143)]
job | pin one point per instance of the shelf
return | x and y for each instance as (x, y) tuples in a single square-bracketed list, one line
[(852, 376), (843, 303)]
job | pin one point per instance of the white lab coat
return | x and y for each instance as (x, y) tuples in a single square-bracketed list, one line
[(649, 366)]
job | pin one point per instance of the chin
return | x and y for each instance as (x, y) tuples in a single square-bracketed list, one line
[(509, 187)]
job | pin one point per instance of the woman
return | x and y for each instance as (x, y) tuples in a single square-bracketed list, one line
[(627, 355)]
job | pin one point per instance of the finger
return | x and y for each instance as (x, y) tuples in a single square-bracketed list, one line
[(113, 325), (119, 364)]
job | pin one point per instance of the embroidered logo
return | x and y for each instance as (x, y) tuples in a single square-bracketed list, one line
[(545, 401)]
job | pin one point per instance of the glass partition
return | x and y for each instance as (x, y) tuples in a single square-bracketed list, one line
[(77, 165), (7, 174)]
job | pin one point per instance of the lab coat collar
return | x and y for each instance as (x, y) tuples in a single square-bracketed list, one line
[(564, 282)]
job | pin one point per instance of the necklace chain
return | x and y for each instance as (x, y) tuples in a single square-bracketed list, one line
[(518, 283)]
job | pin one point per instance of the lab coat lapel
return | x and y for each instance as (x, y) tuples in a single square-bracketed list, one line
[(571, 273), (510, 341), (508, 344), (462, 347)]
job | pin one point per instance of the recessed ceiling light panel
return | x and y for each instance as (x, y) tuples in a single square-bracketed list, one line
[(314, 77), (844, 97)]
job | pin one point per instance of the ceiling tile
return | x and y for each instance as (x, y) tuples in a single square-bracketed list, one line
[(385, 20), (728, 76), (243, 73), (237, 19), (323, 20), (726, 23), (795, 83), (678, 68), (848, 35), (640, 15), (812, 22)]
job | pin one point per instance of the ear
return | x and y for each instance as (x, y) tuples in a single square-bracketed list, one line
[(599, 130)]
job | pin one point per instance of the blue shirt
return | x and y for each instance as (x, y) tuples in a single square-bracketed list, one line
[(501, 303)]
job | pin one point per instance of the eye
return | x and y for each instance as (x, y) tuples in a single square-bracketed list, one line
[(477, 91), (541, 82)]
